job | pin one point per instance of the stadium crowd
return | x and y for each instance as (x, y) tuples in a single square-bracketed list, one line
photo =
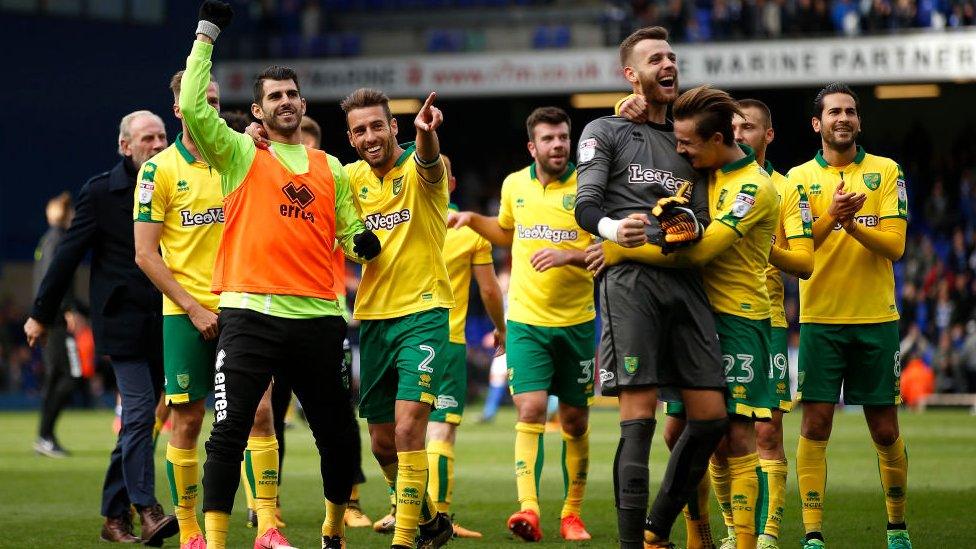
[(297, 28)]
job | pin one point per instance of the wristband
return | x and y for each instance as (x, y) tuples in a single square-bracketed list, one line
[(608, 228), (425, 163), (208, 29)]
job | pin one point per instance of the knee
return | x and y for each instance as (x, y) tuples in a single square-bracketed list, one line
[(769, 436), (263, 420), (408, 433), (672, 431), (815, 427), (383, 448), (532, 412), (884, 435), (575, 424)]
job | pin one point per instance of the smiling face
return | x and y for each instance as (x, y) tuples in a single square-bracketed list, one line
[(653, 66), (550, 147), (839, 123), (146, 138), (702, 153), (281, 107), (373, 134)]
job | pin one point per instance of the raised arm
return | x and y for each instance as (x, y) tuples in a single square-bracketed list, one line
[(226, 150), (429, 163)]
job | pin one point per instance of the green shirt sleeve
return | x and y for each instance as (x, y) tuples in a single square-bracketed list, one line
[(348, 224), (231, 153)]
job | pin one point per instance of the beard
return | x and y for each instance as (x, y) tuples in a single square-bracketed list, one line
[(275, 123), (554, 167), (839, 144), (386, 150), (654, 93)]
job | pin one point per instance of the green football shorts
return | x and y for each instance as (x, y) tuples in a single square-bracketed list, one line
[(188, 361), (556, 360), (401, 358), (779, 374), (745, 357), (449, 406), (864, 359)]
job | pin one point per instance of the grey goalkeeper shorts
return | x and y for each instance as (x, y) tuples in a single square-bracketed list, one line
[(657, 330)]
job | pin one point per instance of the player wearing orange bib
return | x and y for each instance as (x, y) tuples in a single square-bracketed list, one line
[(178, 212)]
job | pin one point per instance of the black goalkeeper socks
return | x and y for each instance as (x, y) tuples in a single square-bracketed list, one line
[(630, 480)]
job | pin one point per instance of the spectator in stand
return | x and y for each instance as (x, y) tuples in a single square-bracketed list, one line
[(938, 211), (968, 356), (946, 367), (917, 382), (879, 17)]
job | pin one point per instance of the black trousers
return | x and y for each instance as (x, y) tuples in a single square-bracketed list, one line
[(303, 353), (59, 382), (281, 398)]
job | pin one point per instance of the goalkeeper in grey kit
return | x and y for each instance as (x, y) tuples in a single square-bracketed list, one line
[(658, 329)]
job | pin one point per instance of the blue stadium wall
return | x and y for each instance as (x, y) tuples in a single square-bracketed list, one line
[(69, 81)]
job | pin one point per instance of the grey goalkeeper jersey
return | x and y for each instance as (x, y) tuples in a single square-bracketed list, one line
[(624, 168)]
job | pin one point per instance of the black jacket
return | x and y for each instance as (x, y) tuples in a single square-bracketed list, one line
[(126, 309)]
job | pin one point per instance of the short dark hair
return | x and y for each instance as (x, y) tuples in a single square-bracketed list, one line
[(759, 106), (366, 97), (546, 115), (311, 127), (236, 120), (274, 72), (639, 35), (712, 110), (830, 89)]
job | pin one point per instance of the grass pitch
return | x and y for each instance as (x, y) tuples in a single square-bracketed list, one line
[(55, 503)]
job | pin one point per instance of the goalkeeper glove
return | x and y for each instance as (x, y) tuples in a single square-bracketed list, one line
[(678, 222), (366, 245), (215, 16)]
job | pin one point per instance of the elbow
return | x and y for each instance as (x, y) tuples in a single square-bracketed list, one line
[(896, 253), (142, 259), (806, 267)]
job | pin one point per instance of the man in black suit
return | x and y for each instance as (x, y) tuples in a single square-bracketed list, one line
[(126, 321)]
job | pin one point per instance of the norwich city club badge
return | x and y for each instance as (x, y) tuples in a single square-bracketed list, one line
[(397, 185), (872, 180), (183, 380), (631, 363), (569, 201)]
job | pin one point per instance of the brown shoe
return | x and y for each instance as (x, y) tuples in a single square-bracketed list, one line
[(119, 530), (157, 525)]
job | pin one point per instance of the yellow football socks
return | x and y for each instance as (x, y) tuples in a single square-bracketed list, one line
[(183, 470), (811, 475), (440, 464), (576, 458), (333, 523), (775, 473), (216, 523), (411, 489), (696, 517), (893, 466), (261, 470), (529, 457), (744, 472), (721, 481)]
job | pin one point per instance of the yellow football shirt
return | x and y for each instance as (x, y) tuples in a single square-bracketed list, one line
[(795, 221), (850, 284), (184, 194), (741, 196), (409, 216), (543, 217), (463, 248)]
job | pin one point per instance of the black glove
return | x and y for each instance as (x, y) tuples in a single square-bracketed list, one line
[(366, 245), (217, 13)]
